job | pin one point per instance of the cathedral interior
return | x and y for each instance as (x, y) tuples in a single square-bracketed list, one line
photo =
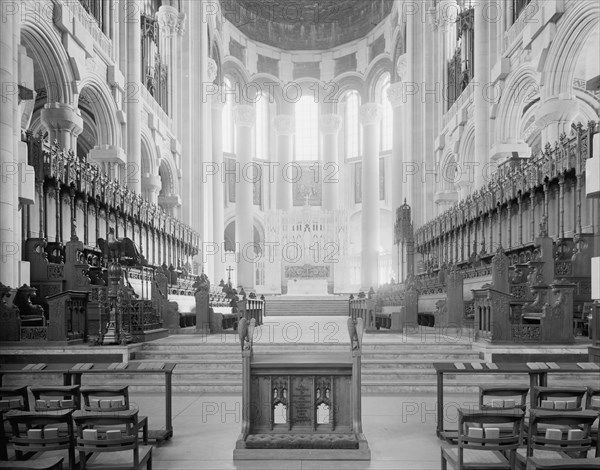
[(206, 203)]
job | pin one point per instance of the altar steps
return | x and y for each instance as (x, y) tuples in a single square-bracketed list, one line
[(284, 305)]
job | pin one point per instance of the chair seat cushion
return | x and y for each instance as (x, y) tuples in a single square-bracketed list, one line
[(477, 459), (118, 459)]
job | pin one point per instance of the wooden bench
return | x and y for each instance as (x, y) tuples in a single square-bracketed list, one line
[(301, 406), (107, 437), (59, 397), (534, 463)]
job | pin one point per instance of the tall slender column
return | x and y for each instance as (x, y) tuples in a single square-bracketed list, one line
[(285, 128), (245, 119), (218, 187), (8, 195), (330, 125), (399, 190), (134, 106), (481, 105), (370, 117)]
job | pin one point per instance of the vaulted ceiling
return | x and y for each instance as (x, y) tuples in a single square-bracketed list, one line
[(305, 24)]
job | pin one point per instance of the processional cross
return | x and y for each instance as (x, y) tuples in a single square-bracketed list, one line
[(229, 270)]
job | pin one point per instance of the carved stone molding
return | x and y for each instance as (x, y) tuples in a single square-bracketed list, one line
[(170, 21), (212, 70), (402, 67), (396, 94), (244, 115), (330, 123), (370, 113), (284, 124)]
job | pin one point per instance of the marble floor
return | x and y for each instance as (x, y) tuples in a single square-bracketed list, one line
[(400, 430)]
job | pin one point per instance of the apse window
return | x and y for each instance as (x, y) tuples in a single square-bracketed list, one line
[(228, 132), (307, 129), (352, 129), (263, 117)]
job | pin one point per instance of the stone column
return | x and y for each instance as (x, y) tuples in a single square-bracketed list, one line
[(370, 117), (245, 118), (481, 106), (8, 190), (218, 187), (151, 186), (285, 128), (330, 125), (64, 124), (134, 106)]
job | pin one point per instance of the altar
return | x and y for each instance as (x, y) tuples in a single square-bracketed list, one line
[(307, 287)]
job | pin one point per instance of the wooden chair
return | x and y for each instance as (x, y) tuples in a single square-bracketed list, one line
[(95, 400), (480, 448), (9, 396), (53, 463), (107, 450), (25, 423), (534, 463), (544, 446), (540, 394), (60, 397)]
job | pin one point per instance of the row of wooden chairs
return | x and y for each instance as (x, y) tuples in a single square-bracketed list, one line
[(557, 430), (64, 409), (481, 445), (90, 440)]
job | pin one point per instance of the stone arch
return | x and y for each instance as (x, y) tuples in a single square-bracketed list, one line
[(349, 81), (235, 70), (573, 31), (50, 59), (229, 233), (380, 65), (96, 98), (167, 171), (148, 153), (465, 157), (399, 41), (520, 91)]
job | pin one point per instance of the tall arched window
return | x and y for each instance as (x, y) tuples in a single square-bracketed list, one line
[(307, 129), (228, 132), (352, 128), (387, 121), (263, 120)]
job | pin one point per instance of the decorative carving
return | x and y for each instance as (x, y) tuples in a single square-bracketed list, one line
[(244, 115), (284, 124), (212, 70), (170, 21), (370, 113), (330, 123), (307, 271)]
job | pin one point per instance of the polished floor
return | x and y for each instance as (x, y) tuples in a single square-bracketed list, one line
[(400, 430)]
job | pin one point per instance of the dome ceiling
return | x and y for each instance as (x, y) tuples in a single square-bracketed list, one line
[(305, 24)]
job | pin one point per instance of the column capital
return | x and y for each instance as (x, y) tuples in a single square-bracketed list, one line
[(370, 113), (61, 117), (396, 94), (330, 123), (212, 69), (244, 115), (284, 124), (170, 21)]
